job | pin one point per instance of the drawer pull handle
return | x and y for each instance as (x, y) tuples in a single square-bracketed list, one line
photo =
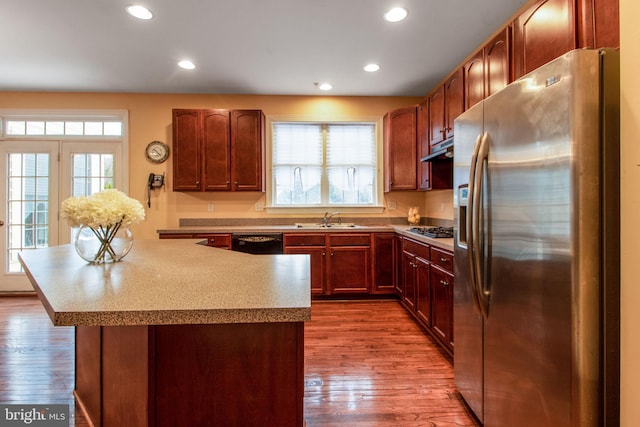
[(443, 283), (443, 260)]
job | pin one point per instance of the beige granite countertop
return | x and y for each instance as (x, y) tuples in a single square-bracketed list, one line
[(170, 282), (441, 243), (446, 244)]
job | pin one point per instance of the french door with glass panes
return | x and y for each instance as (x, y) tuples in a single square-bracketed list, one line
[(39, 175)]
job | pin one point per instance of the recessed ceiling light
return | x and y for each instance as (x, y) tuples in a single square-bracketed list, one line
[(396, 14), (186, 64), (325, 86), (371, 68), (139, 12)]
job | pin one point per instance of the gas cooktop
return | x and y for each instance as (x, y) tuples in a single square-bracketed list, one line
[(434, 232)]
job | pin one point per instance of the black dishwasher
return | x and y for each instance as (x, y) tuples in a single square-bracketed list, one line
[(257, 243)]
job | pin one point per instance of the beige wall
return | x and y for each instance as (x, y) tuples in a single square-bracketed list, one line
[(630, 171), (438, 204), (150, 119)]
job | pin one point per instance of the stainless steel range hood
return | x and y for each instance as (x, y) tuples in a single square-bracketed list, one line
[(443, 151)]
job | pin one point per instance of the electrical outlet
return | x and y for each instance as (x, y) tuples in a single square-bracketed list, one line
[(391, 205), (210, 207), (259, 206)]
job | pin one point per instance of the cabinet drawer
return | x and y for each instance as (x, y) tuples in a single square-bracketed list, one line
[(416, 248), (299, 239), (442, 259), (349, 239), (216, 240), (176, 236)]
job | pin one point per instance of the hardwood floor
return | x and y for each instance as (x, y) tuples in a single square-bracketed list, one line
[(36, 359), (366, 364)]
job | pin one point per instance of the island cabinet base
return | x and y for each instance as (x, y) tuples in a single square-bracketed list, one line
[(195, 375)]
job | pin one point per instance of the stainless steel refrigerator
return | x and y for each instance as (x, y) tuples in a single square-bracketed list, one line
[(536, 212)]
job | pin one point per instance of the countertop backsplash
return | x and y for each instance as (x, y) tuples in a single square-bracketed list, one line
[(190, 222)]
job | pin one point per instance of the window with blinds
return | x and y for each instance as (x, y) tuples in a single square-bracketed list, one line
[(324, 164)]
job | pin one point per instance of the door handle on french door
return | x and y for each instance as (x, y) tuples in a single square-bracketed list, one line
[(478, 184), (471, 226), (1, 223)]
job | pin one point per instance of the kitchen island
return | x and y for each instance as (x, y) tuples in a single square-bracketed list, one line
[(180, 333)]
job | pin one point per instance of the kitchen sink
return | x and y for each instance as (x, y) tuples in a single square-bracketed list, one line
[(320, 225)]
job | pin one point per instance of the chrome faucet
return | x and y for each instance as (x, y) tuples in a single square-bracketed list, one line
[(327, 217)]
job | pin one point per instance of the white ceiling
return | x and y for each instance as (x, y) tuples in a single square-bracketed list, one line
[(240, 46)]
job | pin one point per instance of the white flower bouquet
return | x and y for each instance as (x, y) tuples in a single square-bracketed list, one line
[(104, 213)]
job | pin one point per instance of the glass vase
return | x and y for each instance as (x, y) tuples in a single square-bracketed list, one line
[(103, 244)]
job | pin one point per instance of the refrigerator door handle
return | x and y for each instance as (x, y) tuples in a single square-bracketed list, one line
[(481, 291), (471, 226)]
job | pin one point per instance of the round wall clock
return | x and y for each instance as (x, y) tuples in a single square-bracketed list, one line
[(157, 151)]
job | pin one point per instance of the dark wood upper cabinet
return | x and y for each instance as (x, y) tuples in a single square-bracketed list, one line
[(542, 33), (474, 79), (424, 145), (436, 115), (187, 150), (453, 100), (497, 62), (218, 150), (446, 102), (247, 147), (400, 148), (598, 23), (489, 70)]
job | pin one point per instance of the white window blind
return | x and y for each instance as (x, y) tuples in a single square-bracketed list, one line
[(324, 164), (351, 166)]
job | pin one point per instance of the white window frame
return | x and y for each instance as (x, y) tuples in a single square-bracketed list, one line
[(377, 207)]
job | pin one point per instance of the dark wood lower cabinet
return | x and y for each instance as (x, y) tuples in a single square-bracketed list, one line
[(195, 375), (317, 255), (409, 266), (442, 316), (427, 288), (384, 266), (340, 262), (349, 270), (423, 291)]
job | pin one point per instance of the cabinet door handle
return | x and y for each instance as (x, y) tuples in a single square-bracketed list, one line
[(444, 283), (331, 253), (324, 254)]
